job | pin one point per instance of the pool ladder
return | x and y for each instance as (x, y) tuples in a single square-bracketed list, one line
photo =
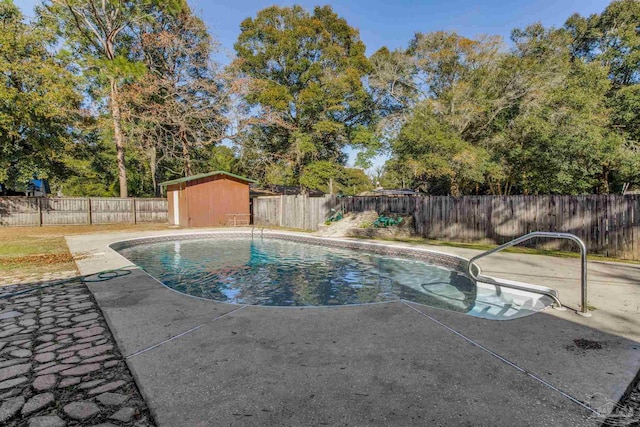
[(551, 293), (264, 225)]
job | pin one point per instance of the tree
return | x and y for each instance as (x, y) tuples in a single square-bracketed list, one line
[(178, 109), (453, 84), (470, 116), (321, 176), (306, 70), (562, 144), (40, 105), (354, 181), (99, 32), (454, 74), (612, 39), (223, 158), (433, 150), (332, 178), (92, 170)]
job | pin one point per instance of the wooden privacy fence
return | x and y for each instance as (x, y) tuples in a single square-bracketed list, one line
[(300, 211), (29, 211), (608, 224)]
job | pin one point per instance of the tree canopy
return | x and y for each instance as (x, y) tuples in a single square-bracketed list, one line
[(39, 103), (107, 97), (306, 72), (553, 114)]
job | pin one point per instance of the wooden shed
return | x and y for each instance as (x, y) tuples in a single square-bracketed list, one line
[(209, 199)]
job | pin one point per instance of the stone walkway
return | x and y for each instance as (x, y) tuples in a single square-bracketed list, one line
[(59, 365)]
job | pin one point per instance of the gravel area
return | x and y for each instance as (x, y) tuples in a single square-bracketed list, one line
[(59, 364)]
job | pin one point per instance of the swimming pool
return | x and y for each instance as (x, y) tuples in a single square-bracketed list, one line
[(292, 271)]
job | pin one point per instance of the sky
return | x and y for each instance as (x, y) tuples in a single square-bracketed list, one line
[(393, 23)]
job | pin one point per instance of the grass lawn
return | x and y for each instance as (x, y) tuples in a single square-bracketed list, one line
[(35, 251)]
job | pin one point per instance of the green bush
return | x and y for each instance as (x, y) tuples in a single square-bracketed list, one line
[(386, 221)]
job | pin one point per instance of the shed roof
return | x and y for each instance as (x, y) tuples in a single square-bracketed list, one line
[(204, 175)]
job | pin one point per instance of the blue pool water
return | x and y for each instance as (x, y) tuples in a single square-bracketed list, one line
[(273, 272)]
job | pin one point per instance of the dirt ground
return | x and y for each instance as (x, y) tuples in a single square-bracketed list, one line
[(37, 253), (350, 220)]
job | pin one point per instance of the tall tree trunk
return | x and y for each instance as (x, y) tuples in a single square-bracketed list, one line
[(153, 167), (185, 153), (118, 136)]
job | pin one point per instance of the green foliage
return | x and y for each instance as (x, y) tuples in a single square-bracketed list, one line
[(222, 159), (611, 38), (99, 36), (120, 68), (432, 149), (354, 181), (306, 75), (277, 174), (625, 103), (466, 116), (92, 165), (330, 177), (39, 103), (93, 89), (317, 175)]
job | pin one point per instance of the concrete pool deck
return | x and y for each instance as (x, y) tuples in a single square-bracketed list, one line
[(199, 362)]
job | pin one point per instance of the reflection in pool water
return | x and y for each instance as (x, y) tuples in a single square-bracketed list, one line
[(274, 272)]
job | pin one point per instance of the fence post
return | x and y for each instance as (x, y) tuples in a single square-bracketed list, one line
[(89, 211), (305, 200), (280, 220), (39, 199), (133, 209)]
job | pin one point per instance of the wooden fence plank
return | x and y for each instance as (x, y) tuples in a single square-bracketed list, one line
[(609, 224), (295, 211), (30, 211)]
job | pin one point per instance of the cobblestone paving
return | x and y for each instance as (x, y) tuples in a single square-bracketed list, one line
[(59, 365)]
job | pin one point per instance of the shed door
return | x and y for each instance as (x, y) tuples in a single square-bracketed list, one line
[(176, 208)]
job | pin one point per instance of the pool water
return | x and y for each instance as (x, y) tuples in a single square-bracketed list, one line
[(273, 272)]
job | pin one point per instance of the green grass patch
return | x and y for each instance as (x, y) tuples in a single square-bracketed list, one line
[(32, 245)]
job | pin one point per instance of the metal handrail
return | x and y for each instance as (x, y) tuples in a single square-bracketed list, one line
[(253, 227), (584, 310)]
